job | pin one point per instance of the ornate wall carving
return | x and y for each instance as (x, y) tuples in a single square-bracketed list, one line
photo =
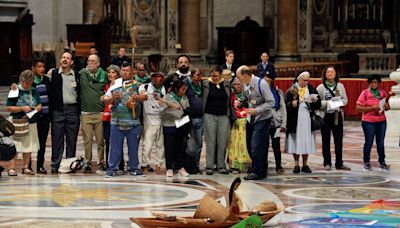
[(146, 18)]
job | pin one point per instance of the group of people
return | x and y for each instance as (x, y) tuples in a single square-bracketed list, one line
[(236, 111)]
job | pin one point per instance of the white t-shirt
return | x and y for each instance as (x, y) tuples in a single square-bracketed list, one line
[(152, 107)]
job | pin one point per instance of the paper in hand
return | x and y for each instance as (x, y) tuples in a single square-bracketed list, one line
[(277, 133), (31, 113), (179, 123), (310, 97), (13, 93), (117, 84), (334, 104), (382, 103)]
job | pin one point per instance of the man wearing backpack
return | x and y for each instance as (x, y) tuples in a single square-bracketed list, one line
[(260, 102), (153, 133)]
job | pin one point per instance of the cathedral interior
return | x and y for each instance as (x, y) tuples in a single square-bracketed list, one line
[(360, 37)]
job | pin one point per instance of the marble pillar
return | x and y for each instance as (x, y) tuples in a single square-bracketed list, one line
[(393, 115), (128, 15), (94, 11), (287, 29), (189, 25), (172, 25)]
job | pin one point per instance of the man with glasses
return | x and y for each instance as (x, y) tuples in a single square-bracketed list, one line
[(93, 82), (183, 64)]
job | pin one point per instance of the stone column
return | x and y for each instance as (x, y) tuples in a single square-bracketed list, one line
[(93, 11), (172, 25), (287, 29), (128, 14), (189, 25), (393, 115)]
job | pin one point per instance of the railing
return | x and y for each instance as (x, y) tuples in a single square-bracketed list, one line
[(377, 63), (292, 69)]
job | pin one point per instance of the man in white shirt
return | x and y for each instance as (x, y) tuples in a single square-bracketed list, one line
[(153, 133)]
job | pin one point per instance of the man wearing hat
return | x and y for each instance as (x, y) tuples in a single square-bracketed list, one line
[(259, 113), (153, 133)]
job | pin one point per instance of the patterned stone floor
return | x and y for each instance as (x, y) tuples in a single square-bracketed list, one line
[(90, 200)]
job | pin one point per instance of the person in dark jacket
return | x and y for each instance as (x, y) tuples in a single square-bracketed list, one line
[(65, 109), (194, 93), (265, 68)]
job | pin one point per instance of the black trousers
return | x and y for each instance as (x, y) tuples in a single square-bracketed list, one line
[(43, 126), (276, 147), (175, 148), (337, 131), (64, 124)]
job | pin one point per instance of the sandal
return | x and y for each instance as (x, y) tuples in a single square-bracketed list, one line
[(12, 172), (28, 171)]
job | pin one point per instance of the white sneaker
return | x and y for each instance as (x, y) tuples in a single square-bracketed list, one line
[(182, 172), (169, 173)]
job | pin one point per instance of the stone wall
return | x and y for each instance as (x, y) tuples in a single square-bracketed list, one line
[(227, 13)]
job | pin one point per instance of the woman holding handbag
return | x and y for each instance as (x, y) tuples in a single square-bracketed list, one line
[(332, 93), (302, 101), (24, 110)]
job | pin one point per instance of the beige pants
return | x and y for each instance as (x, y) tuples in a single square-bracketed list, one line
[(92, 123), (153, 136)]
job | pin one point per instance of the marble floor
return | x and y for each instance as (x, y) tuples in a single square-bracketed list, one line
[(320, 199)]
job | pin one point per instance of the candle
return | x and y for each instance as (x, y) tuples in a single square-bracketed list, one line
[(354, 11), (338, 15), (367, 11), (109, 8)]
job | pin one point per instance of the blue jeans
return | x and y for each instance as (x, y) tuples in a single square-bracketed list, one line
[(197, 126), (117, 142), (257, 145), (370, 131)]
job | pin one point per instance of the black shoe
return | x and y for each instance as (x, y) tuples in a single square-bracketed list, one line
[(253, 176), (384, 166), (296, 169), (305, 169), (88, 169), (194, 171), (147, 169), (209, 172), (54, 171), (343, 167), (41, 170), (222, 171), (1, 170), (368, 167), (280, 171)]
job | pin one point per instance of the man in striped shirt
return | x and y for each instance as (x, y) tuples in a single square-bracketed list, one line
[(41, 83)]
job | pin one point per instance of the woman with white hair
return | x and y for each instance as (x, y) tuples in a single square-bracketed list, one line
[(300, 104), (27, 101)]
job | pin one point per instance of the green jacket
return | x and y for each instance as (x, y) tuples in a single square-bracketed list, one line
[(92, 88)]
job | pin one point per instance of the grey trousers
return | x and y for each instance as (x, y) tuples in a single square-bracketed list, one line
[(217, 130)]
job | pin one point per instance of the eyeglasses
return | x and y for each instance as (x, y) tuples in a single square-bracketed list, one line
[(140, 70)]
